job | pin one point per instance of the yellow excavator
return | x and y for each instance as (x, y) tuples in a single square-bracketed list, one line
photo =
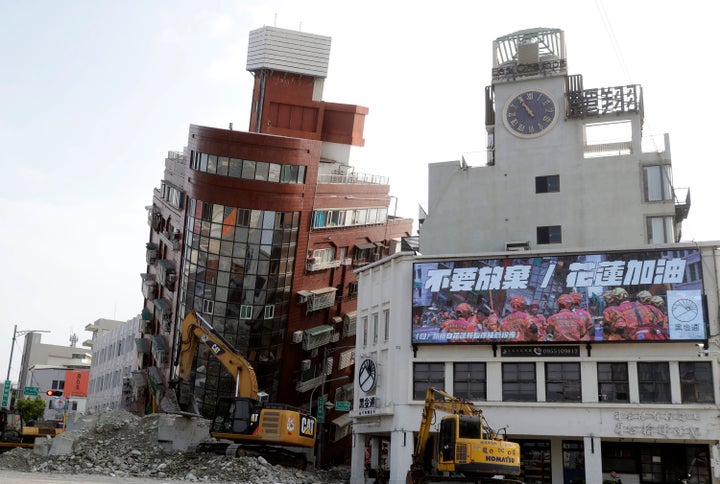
[(245, 424), (15, 433), (468, 449)]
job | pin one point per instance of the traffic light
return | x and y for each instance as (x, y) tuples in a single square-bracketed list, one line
[(54, 393)]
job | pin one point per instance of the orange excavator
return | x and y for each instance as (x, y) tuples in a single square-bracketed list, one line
[(468, 451), (245, 424)]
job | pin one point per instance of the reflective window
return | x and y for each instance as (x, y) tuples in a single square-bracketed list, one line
[(519, 382), (562, 382), (696, 382), (427, 375), (654, 382), (470, 381), (613, 382)]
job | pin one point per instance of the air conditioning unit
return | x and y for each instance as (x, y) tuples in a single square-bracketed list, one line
[(297, 337), (305, 365)]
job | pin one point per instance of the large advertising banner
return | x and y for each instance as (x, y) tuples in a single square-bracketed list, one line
[(610, 297)]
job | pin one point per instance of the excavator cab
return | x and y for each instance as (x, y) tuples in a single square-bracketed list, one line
[(236, 415)]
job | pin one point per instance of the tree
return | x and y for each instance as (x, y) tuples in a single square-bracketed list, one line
[(31, 409)]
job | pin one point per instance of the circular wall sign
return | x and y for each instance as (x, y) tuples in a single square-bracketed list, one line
[(368, 375)]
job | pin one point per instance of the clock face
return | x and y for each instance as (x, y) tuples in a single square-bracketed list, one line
[(530, 113), (367, 375)]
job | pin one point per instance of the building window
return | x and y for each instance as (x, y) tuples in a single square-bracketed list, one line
[(386, 315), (519, 383), (352, 289), (550, 234), (660, 230), (613, 382), (246, 312), (208, 306), (427, 375), (654, 382), (547, 184), (324, 255), (696, 382), (657, 183), (365, 330), (562, 382), (269, 311), (470, 381), (375, 318)]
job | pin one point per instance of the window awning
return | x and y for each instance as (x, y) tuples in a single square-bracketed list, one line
[(159, 343), (323, 290), (365, 246), (166, 264), (343, 420), (162, 304), (319, 330), (146, 277), (337, 319), (351, 316), (379, 244)]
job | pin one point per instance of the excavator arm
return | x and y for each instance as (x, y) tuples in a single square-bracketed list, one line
[(471, 450), (439, 400), (195, 330)]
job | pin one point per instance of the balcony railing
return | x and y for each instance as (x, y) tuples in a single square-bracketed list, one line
[(361, 178), (682, 203), (303, 386), (319, 265)]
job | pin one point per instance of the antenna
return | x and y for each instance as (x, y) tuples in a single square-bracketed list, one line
[(73, 339)]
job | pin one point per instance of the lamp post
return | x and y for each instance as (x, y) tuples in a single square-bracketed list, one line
[(312, 393), (318, 459), (17, 333)]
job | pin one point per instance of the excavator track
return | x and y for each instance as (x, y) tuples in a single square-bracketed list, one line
[(274, 455), (440, 479)]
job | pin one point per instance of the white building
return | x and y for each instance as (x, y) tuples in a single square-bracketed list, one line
[(571, 201), (115, 358)]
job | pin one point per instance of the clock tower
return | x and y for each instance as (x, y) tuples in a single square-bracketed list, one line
[(566, 166), (527, 94)]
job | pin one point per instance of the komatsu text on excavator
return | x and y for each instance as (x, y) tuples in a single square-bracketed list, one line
[(468, 449), (243, 424)]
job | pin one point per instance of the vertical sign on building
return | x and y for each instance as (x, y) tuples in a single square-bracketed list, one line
[(6, 394)]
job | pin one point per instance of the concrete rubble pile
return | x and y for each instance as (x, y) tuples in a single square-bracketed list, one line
[(118, 443)]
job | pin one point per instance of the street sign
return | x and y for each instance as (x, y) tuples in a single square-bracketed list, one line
[(6, 394), (342, 406), (321, 409), (31, 391)]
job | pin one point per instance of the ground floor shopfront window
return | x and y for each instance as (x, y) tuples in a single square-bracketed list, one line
[(658, 463)]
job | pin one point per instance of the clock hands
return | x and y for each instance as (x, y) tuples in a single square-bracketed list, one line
[(527, 108)]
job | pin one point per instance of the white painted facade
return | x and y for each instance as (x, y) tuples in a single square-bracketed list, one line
[(115, 357), (606, 200)]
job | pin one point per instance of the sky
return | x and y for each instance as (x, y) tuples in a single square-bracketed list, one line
[(94, 93)]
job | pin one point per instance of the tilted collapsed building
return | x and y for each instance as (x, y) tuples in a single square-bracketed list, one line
[(260, 232)]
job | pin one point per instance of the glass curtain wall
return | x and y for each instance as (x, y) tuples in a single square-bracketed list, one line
[(238, 268)]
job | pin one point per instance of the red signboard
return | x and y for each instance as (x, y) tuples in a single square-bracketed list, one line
[(76, 383)]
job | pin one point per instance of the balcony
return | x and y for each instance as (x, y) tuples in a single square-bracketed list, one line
[(171, 240), (317, 299), (317, 336), (303, 386), (360, 178), (682, 204), (318, 265)]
